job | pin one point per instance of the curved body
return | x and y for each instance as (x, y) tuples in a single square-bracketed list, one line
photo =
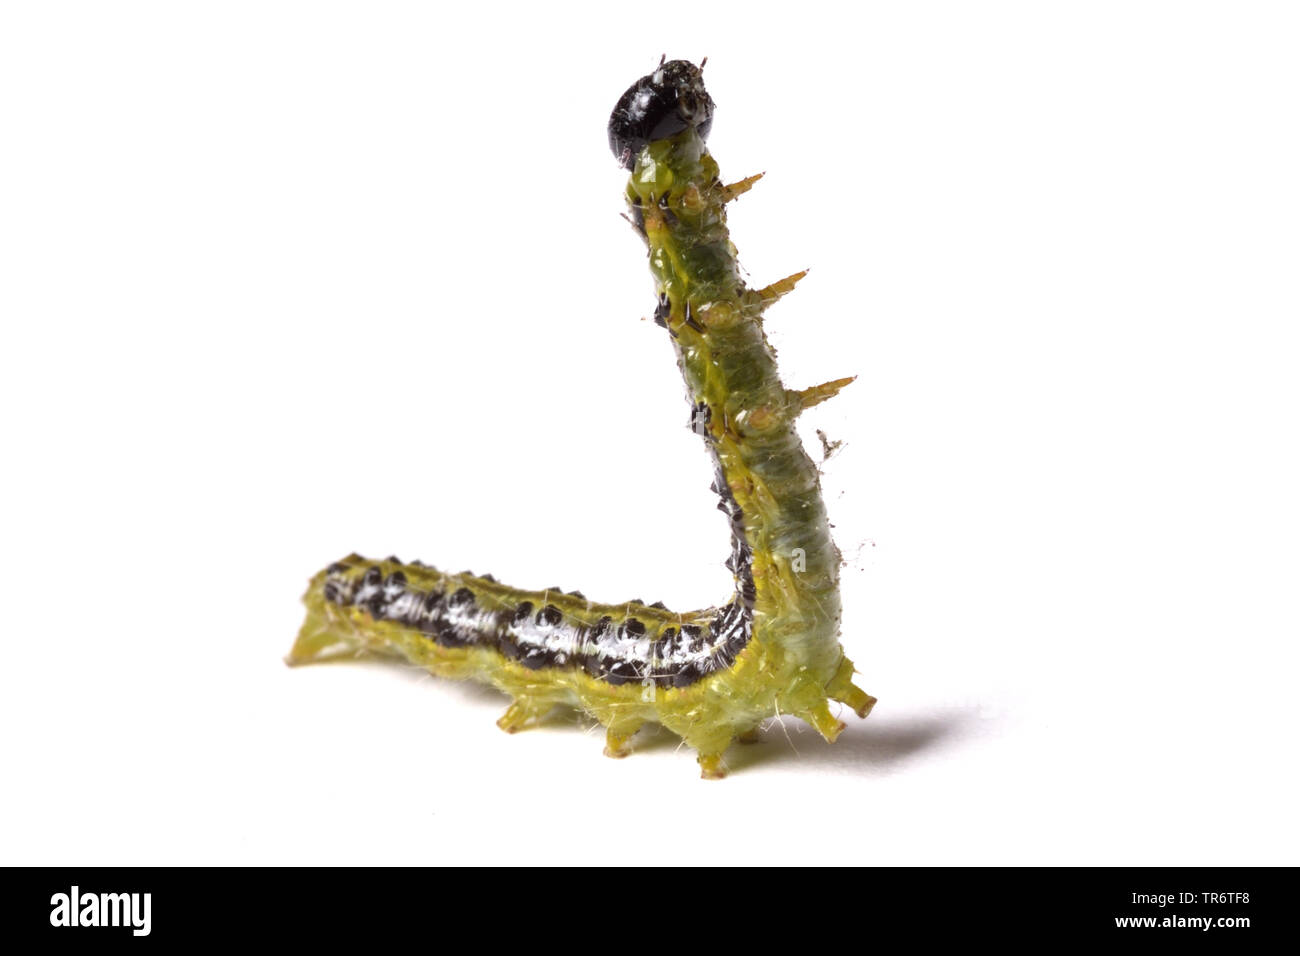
[(713, 675)]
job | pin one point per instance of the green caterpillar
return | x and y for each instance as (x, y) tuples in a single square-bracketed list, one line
[(710, 676)]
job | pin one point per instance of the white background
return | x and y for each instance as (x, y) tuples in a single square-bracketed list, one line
[(281, 281)]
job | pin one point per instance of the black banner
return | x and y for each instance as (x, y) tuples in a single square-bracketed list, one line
[(1228, 907)]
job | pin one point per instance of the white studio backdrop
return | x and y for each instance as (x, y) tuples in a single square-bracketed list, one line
[(280, 281)]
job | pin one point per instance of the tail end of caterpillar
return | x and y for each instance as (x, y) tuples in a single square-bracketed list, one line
[(322, 637)]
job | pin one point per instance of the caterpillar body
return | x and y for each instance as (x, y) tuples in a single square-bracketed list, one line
[(711, 676)]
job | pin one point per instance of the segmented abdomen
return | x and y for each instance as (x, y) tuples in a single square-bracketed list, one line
[(614, 643)]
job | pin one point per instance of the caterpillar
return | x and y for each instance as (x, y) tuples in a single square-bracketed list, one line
[(711, 676)]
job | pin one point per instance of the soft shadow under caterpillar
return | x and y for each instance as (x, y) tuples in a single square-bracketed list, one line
[(710, 676)]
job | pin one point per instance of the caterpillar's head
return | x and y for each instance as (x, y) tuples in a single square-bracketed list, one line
[(669, 100)]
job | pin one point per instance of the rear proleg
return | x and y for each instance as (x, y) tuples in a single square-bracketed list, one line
[(823, 721), (712, 766), (523, 714), (617, 736), (842, 688)]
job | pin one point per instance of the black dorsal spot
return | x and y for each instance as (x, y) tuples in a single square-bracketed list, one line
[(663, 309), (623, 672), (701, 415)]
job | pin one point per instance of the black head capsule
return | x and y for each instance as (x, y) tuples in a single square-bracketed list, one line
[(657, 106)]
